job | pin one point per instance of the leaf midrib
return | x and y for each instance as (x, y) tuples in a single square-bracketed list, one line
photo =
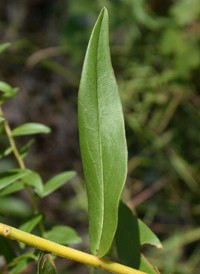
[(99, 135)]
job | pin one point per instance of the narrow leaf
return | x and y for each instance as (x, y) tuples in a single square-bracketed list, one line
[(57, 181), (6, 152), (8, 178), (12, 188), (14, 207), (25, 148), (102, 138), (30, 128), (20, 263), (29, 225), (7, 90)]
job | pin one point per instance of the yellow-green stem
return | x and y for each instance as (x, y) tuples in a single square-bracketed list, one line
[(66, 252)]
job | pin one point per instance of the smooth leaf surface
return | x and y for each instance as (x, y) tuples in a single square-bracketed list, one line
[(30, 128), (102, 138), (146, 267), (6, 152), (7, 91), (24, 150), (12, 188), (63, 235), (8, 178), (33, 179), (57, 181), (131, 234), (14, 207)]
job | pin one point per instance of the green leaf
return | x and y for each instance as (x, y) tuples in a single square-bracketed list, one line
[(30, 128), (10, 177), (63, 235), (7, 90), (102, 138), (29, 225), (6, 152), (131, 234), (20, 263), (46, 264), (11, 189), (25, 148), (146, 267), (57, 181), (14, 207), (34, 179), (4, 46), (146, 234), (26, 256)]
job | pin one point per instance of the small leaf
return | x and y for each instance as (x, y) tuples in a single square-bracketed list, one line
[(46, 264), (34, 179), (25, 256), (29, 225), (10, 177), (57, 181), (7, 90), (20, 263), (102, 138), (25, 148), (7, 152), (30, 128), (14, 207), (4, 46), (63, 235), (11, 189)]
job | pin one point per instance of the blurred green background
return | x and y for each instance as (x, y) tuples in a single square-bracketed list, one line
[(155, 48)]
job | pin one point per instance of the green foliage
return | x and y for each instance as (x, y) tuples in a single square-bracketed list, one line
[(155, 53), (57, 181), (131, 234), (63, 235), (14, 180), (30, 128), (102, 138), (46, 264), (7, 91)]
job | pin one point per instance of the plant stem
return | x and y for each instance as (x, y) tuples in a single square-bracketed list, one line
[(20, 163), (13, 145), (66, 252)]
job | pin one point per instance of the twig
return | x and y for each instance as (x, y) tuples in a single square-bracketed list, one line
[(66, 252)]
